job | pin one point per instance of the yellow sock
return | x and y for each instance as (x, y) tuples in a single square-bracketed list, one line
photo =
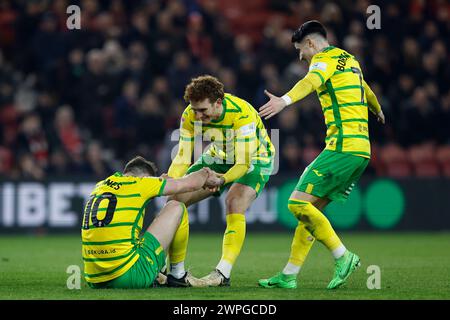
[(316, 223), (301, 244), (234, 236), (178, 247)]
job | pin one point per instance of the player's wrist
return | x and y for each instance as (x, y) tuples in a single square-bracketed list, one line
[(204, 173), (287, 100)]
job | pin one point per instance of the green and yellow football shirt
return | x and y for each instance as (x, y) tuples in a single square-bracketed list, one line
[(112, 222), (238, 136), (343, 99)]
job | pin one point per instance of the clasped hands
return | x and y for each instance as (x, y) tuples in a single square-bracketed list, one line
[(214, 181)]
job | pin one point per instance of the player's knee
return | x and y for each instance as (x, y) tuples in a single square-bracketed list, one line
[(233, 203), (174, 205), (176, 198), (180, 198)]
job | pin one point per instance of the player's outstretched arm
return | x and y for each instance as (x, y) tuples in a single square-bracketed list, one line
[(191, 182), (302, 88), (182, 160)]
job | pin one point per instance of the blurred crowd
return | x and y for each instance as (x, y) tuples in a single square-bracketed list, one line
[(82, 102)]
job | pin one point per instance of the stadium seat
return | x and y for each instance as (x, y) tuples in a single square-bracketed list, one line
[(246, 6), (376, 161), (241, 22), (443, 158), (423, 159), (396, 161), (6, 160)]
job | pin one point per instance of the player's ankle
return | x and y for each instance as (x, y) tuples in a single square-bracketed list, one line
[(224, 267), (288, 277), (177, 270), (339, 252), (291, 268)]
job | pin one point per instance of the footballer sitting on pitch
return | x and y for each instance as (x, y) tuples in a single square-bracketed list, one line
[(345, 97), (241, 152), (114, 255)]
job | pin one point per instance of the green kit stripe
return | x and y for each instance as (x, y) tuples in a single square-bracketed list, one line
[(112, 271), (133, 195), (234, 104), (211, 125), (347, 120), (161, 190), (294, 201), (121, 209), (341, 88), (336, 113), (245, 139), (355, 136), (101, 243), (345, 70), (349, 104), (320, 76)]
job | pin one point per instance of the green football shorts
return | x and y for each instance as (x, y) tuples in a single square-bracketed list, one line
[(332, 175), (144, 271), (256, 177)]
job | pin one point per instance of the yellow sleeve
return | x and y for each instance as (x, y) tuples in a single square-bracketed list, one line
[(372, 100), (151, 187), (245, 145), (182, 160), (320, 70), (235, 172)]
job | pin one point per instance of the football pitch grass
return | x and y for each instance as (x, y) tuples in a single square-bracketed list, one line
[(412, 266)]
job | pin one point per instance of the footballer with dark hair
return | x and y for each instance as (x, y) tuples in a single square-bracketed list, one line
[(345, 98)]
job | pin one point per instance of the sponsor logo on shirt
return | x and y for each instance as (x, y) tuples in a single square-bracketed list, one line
[(318, 65), (247, 129)]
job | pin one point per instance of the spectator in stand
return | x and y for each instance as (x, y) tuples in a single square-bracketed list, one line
[(180, 72), (60, 164), (122, 74), (443, 119), (138, 68), (418, 119), (29, 168), (98, 91), (125, 114), (67, 134), (151, 122), (199, 42), (96, 165), (33, 145)]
